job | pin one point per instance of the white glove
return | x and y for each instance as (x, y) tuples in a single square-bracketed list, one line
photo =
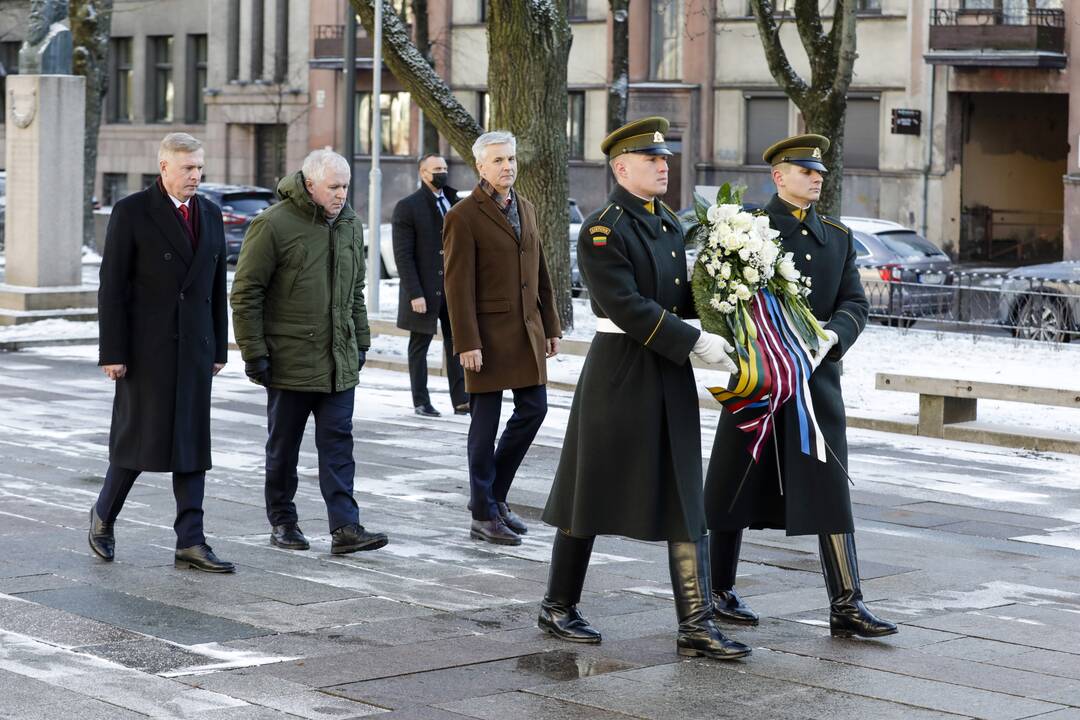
[(714, 350), (824, 346)]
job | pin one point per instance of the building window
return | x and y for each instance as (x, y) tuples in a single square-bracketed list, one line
[(766, 122), (665, 40), (148, 179), (120, 108), (232, 54), (160, 78), (394, 108), (113, 187), (868, 6), (862, 133), (484, 10), (196, 102), (257, 21), (9, 65), (577, 9), (281, 41), (575, 125), (483, 109)]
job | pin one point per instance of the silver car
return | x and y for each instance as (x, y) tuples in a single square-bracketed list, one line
[(1042, 302)]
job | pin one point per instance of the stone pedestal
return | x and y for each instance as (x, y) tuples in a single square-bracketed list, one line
[(43, 234)]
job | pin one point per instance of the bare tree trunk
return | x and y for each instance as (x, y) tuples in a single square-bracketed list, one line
[(532, 44), (91, 27), (823, 102), (430, 92), (429, 136), (528, 47), (619, 89)]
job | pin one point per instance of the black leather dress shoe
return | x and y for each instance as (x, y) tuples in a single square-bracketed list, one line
[(426, 410), (493, 531), (101, 537), (462, 409), (201, 557), (353, 538), (566, 623), (289, 537), (728, 607), (511, 519)]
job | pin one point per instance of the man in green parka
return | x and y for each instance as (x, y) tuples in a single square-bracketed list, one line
[(301, 324), (631, 460)]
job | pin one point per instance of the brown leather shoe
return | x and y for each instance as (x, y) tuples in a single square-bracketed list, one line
[(493, 531)]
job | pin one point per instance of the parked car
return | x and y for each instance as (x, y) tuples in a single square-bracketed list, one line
[(386, 250), (905, 276), (3, 204), (1042, 302), (239, 205), (577, 287)]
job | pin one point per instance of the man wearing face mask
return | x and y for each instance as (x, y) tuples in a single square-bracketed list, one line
[(418, 251)]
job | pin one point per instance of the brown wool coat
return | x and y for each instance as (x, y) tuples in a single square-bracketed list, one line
[(498, 293)]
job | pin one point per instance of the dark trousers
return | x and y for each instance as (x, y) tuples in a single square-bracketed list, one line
[(492, 469), (418, 370), (187, 489), (287, 413)]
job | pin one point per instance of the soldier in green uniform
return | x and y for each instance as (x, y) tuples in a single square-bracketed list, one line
[(809, 497), (631, 460)]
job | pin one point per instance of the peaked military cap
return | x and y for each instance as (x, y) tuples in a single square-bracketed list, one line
[(805, 150), (640, 136)]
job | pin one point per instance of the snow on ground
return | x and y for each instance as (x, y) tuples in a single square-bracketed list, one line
[(879, 349)]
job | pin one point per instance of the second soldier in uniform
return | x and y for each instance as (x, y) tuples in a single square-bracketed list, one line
[(809, 497), (631, 460)]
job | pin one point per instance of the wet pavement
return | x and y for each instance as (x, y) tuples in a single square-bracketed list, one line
[(975, 551)]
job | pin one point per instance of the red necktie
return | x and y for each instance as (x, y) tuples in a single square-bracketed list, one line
[(184, 213)]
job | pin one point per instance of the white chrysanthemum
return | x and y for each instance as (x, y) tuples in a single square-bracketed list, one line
[(726, 308), (761, 224), (725, 270), (743, 222), (769, 253), (751, 274), (787, 269), (716, 303)]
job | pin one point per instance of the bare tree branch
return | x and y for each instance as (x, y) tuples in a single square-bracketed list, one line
[(845, 49), (430, 92), (779, 65)]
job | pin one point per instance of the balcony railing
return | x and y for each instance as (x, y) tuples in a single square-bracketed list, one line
[(1003, 37), (330, 42)]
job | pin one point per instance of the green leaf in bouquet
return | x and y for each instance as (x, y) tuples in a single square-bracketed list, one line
[(703, 287), (723, 195)]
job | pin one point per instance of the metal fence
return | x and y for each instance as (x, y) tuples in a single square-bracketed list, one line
[(977, 302)]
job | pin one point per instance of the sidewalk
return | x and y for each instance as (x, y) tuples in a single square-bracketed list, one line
[(973, 549)]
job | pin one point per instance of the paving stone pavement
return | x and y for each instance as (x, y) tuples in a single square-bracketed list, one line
[(975, 551)]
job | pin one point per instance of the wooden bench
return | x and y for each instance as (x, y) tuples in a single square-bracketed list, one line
[(948, 409)]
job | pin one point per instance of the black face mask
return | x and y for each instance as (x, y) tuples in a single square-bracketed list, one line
[(438, 180)]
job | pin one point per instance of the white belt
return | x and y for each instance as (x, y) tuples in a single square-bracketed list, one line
[(604, 325)]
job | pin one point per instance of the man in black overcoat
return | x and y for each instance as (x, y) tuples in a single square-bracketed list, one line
[(163, 335), (807, 496), (418, 252), (631, 460)]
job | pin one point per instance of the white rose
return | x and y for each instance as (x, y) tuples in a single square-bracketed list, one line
[(787, 270), (713, 213), (751, 275), (726, 212), (743, 222), (754, 242), (761, 224), (769, 253), (725, 270), (744, 254), (742, 292)]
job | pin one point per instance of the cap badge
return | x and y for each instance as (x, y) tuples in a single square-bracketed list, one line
[(658, 137), (817, 153)]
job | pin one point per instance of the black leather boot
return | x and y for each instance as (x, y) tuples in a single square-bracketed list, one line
[(728, 607), (559, 615), (101, 537), (847, 614), (698, 634)]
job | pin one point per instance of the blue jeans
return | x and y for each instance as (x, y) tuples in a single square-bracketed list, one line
[(287, 413), (492, 469)]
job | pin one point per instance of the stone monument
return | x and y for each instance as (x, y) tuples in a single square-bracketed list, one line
[(43, 237)]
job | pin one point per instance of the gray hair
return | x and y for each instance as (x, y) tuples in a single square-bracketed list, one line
[(177, 142), (495, 137), (319, 161)]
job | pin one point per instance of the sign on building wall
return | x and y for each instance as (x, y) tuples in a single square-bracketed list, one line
[(906, 121)]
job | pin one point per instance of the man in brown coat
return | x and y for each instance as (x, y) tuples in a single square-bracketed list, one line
[(504, 323)]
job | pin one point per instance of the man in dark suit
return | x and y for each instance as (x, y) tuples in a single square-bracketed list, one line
[(163, 336), (505, 324), (794, 491), (418, 251)]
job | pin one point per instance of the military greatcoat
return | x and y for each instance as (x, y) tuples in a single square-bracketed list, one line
[(631, 460), (815, 495)]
